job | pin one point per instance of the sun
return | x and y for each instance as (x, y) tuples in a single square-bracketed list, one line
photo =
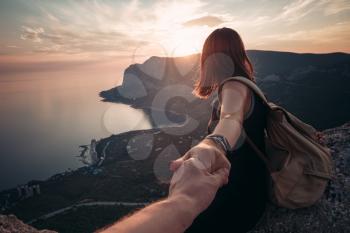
[(171, 32), (176, 42), (168, 35), (183, 41)]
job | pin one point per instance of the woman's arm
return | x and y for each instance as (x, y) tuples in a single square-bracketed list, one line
[(235, 104)]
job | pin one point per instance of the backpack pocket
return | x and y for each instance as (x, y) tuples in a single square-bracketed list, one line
[(308, 190)]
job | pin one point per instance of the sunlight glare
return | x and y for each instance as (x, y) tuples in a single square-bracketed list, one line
[(177, 39)]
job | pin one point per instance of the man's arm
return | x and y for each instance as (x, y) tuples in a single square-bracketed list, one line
[(192, 189), (173, 215)]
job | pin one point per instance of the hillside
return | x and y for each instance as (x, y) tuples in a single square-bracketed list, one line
[(136, 171)]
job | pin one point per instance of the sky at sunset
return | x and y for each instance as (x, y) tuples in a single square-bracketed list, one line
[(83, 31)]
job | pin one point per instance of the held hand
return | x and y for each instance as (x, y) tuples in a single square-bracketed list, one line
[(191, 190), (193, 183), (206, 152)]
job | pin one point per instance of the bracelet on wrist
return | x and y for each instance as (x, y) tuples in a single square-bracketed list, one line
[(221, 141)]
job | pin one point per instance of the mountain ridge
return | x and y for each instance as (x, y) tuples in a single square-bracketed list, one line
[(295, 81)]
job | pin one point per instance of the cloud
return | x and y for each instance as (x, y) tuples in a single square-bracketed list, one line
[(335, 7), (301, 8), (210, 21), (297, 10), (32, 34), (101, 28), (88, 27), (13, 46), (11, 67), (122, 27), (331, 35), (291, 13), (72, 40)]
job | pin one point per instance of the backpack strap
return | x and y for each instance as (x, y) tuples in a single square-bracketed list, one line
[(247, 82), (259, 153)]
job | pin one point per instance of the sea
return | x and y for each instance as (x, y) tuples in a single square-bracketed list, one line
[(47, 114)]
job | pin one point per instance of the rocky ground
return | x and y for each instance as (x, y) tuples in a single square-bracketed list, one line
[(11, 224)]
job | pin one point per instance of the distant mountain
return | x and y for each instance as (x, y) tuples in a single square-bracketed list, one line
[(315, 87)]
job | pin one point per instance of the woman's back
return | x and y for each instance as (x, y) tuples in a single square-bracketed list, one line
[(240, 204)]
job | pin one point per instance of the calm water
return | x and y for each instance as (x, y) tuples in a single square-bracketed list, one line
[(45, 116)]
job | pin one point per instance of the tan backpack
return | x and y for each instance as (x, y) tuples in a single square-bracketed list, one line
[(299, 166)]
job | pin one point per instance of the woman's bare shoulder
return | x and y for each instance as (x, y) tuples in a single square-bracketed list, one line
[(236, 89), (235, 96)]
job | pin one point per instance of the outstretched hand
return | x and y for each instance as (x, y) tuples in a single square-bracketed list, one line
[(192, 189), (193, 182), (208, 153), (199, 174)]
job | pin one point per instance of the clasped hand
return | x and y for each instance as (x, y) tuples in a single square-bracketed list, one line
[(199, 174)]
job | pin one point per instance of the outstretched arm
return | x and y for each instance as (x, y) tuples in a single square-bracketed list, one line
[(192, 189), (171, 215), (234, 98)]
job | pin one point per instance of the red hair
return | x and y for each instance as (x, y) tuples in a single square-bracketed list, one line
[(223, 56)]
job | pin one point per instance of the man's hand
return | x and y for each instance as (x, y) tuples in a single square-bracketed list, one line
[(212, 157), (195, 183), (192, 189), (198, 176)]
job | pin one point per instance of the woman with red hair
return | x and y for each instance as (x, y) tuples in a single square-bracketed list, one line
[(239, 112)]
